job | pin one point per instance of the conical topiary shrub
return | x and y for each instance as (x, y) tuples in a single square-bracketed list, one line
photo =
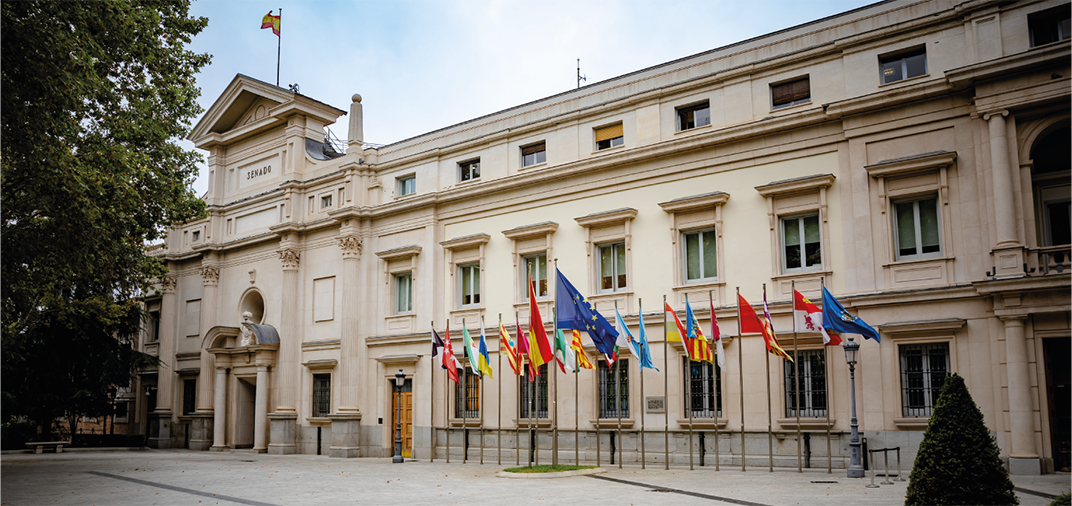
[(958, 461)]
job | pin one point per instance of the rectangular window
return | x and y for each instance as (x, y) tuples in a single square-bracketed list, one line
[(196, 235), (700, 258), (609, 137), (189, 396), (916, 228), (467, 394), (121, 412), (325, 201), (923, 369), (704, 389), (903, 65), (811, 367), (469, 275), (321, 395), (534, 154), (1050, 25), (407, 185), (469, 171), (612, 267), (1056, 214), (403, 293), (154, 327), (539, 385), (611, 398), (791, 93), (693, 116), (536, 270), (800, 243)]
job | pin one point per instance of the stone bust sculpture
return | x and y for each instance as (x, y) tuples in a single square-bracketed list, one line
[(247, 338)]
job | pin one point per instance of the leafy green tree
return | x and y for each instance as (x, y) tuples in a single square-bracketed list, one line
[(95, 94), (958, 461)]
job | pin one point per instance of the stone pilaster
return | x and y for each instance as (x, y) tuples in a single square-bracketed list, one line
[(201, 424), (349, 359), (260, 420), (161, 414), (1023, 456), (220, 410)]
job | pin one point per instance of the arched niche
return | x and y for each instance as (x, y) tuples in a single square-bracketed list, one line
[(1051, 168), (251, 301)]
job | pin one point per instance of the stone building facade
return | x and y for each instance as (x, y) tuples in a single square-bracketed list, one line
[(911, 155)]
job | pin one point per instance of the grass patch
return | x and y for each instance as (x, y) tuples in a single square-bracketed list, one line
[(546, 469)]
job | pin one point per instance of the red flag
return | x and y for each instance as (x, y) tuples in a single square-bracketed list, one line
[(807, 317), (750, 323), (450, 363), (540, 349), (523, 348)]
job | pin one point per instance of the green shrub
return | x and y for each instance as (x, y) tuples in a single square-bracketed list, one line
[(1064, 499), (958, 461)]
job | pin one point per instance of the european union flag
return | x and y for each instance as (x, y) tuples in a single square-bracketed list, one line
[(835, 318), (576, 313)]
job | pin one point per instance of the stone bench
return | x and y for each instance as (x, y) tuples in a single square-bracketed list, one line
[(39, 447)]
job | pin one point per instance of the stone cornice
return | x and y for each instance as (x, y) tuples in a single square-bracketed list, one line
[(897, 329), (796, 185), (399, 253), (466, 242), (607, 218), (695, 202), (964, 77), (912, 164), (534, 230), (1023, 284)]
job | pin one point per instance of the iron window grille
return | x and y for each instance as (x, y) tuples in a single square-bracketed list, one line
[(611, 400), (321, 395), (811, 367), (189, 396), (704, 389), (540, 385), (467, 394), (924, 368)]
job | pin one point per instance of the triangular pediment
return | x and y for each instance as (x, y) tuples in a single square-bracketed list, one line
[(238, 106)]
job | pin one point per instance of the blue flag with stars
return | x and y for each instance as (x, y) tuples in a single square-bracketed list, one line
[(836, 319), (576, 313)]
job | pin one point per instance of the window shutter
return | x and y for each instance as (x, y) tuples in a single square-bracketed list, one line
[(535, 148), (786, 93), (609, 132)]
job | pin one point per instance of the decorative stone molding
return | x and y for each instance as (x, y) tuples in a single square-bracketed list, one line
[(290, 259), (168, 284), (350, 246), (210, 274)]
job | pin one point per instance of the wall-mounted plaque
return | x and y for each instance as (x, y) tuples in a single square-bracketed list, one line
[(656, 404)]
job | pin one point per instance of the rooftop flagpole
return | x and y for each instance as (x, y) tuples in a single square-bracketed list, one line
[(279, 46)]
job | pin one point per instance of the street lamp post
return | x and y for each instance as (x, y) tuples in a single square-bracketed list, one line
[(856, 468), (400, 379)]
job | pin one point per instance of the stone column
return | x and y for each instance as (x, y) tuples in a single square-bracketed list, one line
[(219, 413), (260, 422), (161, 414), (285, 416), (1008, 252), (201, 420), (345, 423), (1023, 456)]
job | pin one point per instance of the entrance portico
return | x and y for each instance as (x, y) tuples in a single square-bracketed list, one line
[(240, 403)]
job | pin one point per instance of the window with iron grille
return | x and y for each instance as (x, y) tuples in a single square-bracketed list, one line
[(189, 396), (704, 390), (540, 388), (467, 394), (791, 93), (811, 368), (923, 370), (321, 395), (611, 398)]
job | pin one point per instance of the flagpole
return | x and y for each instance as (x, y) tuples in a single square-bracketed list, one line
[(796, 371), (534, 434), (740, 372), (714, 367), (465, 397), (766, 361), (576, 404), (826, 369), (554, 423), (666, 391), (446, 393), (498, 425), (481, 400), (618, 396), (643, 402), (278, 46), (688, 382), (517, 391), (431, 402)]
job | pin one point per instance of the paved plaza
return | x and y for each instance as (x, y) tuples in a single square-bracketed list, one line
[(180, 477)]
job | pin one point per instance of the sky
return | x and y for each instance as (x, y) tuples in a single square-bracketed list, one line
[(421, 65)]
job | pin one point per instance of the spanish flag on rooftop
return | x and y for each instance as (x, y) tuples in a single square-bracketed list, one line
[(270, 21)]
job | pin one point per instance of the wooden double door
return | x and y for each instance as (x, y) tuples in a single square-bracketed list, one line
[(405, 396)]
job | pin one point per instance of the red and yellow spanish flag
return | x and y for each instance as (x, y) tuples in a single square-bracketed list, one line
[(540, 351), (582, 358), (270, 21), (511, 351)]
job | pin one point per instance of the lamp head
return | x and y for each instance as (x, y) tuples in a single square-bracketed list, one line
[(851, 350), (400, 378)]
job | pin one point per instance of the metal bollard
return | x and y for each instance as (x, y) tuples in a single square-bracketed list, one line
[(898, 478), (886, 457), (871, 453)]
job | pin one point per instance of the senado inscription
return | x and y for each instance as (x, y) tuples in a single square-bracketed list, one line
[(255, 173)]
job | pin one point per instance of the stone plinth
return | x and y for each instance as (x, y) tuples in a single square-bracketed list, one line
[(283, 433), (345, 436), (200, 431), (160, 426)]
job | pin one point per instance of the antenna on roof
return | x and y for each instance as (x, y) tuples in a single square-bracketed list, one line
[(579, 76)]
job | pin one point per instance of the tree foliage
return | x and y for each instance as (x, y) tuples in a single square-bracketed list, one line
[(95, 94), (958, 461)]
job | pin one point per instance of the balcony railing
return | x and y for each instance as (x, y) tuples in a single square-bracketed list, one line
[(1054, 258)]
